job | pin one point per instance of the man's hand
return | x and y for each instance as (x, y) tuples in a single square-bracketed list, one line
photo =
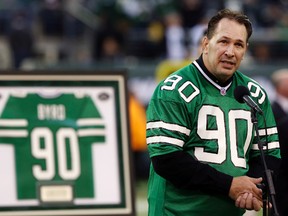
[(247, 201), (245, 192)]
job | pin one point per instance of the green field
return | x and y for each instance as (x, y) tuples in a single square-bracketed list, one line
[(141, 198)]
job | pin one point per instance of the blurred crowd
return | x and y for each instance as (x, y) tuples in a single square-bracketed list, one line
[(88, 31)]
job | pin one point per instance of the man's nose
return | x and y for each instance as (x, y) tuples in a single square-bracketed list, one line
[(229, 50)]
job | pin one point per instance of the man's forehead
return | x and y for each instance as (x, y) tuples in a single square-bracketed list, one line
[(231, 29)]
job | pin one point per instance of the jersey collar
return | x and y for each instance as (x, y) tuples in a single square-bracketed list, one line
[(211, 78)]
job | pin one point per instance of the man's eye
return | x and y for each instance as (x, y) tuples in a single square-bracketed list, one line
[(239, 45)]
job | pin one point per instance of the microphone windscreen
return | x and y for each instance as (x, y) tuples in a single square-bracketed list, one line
[(240, 92)]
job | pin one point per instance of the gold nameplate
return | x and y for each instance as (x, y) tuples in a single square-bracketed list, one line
[(56, 193)]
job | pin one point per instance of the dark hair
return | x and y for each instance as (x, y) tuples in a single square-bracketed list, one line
[(232, 15)]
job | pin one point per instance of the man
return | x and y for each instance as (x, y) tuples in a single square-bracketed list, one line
[(201, 141), (280, 109)]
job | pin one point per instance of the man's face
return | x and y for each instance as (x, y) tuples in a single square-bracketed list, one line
[(224, 52)]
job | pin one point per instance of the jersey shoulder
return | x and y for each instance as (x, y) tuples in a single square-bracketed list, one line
[(180, 84), (257, 91)]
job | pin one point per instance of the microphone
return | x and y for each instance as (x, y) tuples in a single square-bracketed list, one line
[(242, 95)]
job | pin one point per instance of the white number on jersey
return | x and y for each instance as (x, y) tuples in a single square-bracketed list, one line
[(220, 135), (47, 152)]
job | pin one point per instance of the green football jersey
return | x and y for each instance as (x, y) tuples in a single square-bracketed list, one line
[(52, 139), (190, 112)]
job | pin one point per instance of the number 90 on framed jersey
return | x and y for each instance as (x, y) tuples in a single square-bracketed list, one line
[(64, 145)]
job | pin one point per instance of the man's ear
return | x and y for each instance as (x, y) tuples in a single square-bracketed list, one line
[(205, 42)]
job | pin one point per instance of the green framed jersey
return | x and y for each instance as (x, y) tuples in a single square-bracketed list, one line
[(191, 112), (64, 144), (67, 125)]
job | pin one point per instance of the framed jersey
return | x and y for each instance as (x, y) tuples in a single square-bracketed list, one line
[(64, 144)]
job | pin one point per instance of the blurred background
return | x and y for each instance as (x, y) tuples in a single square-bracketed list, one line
[(147, 38), (141, 36)]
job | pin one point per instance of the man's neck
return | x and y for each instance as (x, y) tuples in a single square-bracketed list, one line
[(200, 61)]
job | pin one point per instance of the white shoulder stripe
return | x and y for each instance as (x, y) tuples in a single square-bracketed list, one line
[(168, 126), (164, 139), (271, 145)]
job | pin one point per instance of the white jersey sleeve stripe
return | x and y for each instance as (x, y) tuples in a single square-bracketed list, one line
[(272, 145), (13, 133), (165, 139), (168, 126), (90, 121), (13, 122), (91, 132), (270, 131)]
